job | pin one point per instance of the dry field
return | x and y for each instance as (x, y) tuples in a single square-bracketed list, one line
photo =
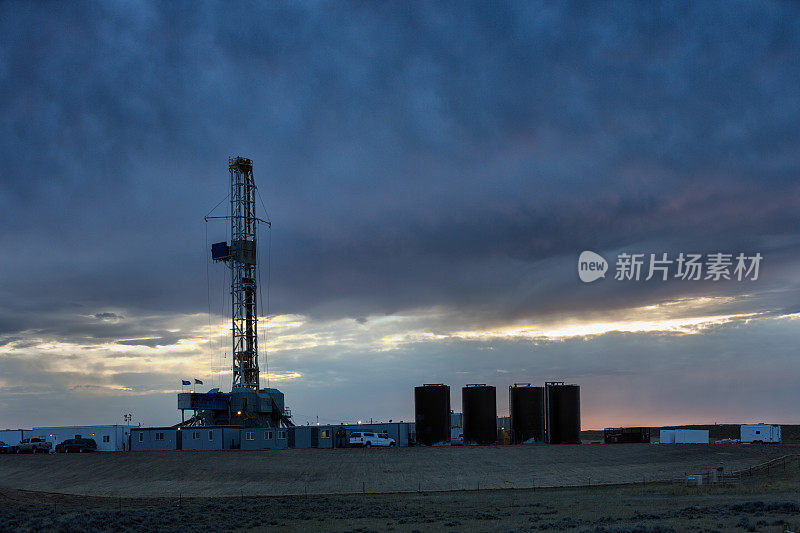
[(342, 471), (764, 501), (321, 490)]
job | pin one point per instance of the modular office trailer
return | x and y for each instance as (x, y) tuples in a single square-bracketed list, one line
[(159, 439), (265, 438), (187, 438), (237, 437), (113, 438), (684, 436), (14, 436), (109, 438)]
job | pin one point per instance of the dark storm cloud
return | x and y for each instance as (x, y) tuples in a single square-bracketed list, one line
[(87, 330), (411, 155)]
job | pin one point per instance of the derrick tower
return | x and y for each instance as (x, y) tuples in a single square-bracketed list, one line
[(241, 257), (247, 404)]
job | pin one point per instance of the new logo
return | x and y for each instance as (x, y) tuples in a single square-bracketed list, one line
[(591, 266)]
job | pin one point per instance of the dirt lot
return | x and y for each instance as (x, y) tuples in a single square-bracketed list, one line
[(764, 501), (287, 472)]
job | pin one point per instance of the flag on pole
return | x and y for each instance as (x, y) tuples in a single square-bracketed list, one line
[(184, 382), (198, 382)]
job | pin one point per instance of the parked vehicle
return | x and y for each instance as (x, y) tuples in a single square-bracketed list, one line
[(7, 448), (367, 439), (34, 445), (76, 446)]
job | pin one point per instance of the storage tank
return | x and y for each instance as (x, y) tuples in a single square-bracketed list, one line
[(432, 414), (563, 405), (526, 405), (479, 412)]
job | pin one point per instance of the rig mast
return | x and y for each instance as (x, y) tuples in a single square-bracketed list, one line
[(241, 257), (247, 404), (242, 262)]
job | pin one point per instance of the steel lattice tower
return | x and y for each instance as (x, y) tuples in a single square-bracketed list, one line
[(244, 226)]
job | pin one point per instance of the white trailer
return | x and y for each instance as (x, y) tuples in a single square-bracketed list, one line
[(761, 433), (109, 438), (691, 436), (683, 436)]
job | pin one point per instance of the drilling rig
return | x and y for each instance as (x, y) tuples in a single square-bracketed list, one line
[(247, 404)]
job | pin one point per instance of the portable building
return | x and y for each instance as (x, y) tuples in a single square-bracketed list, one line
[(14, 436), (202, 438), (691, 436), (760, 433), (683, 436), (166, 438), (269, 438), (109, 438)]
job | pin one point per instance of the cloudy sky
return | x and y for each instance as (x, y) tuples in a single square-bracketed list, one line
[(432, 172)]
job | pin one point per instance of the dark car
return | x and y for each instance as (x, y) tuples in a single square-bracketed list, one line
[(76, 446), (7, 448)]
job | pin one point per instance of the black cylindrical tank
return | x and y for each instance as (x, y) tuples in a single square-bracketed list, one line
[(526, 406), (563, 413), (479, 411), (432, 414)]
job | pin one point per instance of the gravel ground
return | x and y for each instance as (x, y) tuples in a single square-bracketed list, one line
[(764, 501), (757, 504), (300, 472)]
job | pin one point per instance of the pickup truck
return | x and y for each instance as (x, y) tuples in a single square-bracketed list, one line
[(368, 439), (34, 445)]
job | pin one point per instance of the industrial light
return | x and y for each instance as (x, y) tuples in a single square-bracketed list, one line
[(359, 421), (238, 412)]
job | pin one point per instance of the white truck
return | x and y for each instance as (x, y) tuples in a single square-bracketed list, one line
[(34, 445), (761, 433), (368, 438)]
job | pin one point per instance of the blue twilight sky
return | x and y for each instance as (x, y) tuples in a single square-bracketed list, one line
[(432, 171)]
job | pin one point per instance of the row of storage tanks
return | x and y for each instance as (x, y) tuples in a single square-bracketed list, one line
[(549, 414)]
